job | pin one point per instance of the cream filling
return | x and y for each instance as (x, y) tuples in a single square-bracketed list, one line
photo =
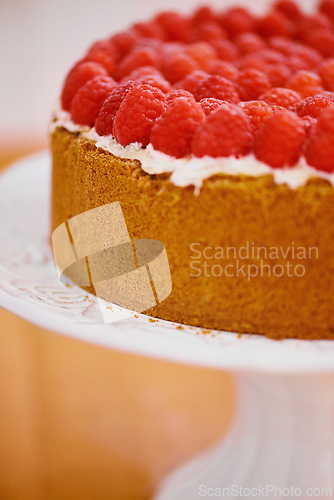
[(192, 171)]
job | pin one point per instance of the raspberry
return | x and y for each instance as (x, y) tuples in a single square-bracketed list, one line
[(203, 14), (104, 53), (77, 77), (149, 29), (248, 43), (217, 87), (327, 8), (237, 20), (209, 104), (320, 148), (173, 132), (177, 65), (321, 39), (124, 41), (275, 23), (313, 106), (191, 81), (138, 73), (137, 114), (305, 83), (226, 50), (326, 73), (257, 112), (281, 139), (208, 31), (156, 81), (250, 83), (278, 96), (140, 56), (88, 100), (289, 8), (309, 123), (226, 132), (174, 94), (105, 121), (308, 55), (202, 53), (176, 26), (278, 74), (224, 69)]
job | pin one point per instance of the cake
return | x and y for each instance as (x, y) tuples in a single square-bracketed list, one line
[(215, 132)]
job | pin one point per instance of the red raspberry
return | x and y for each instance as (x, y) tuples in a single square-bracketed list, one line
[(203, 14), (257, 112), (104, 53), (313, 106), (209, 104), (281, 139), (224, 69), (249, 43), (175, 25), (138, 73), (88, 100), (202, 53), (327, 8), (217, 87), (124, 41), (157, 81), (138, 57), (326, 73), (308, 23), (275, 23), (226, 50), (191, 81), (137, 113), (321, 39), (208, 32), (305, 83), (278, 74), (77, 77), (308, 55), (149, 29), (279, 96), (105, 121), (289, 8), (250, 83), (309, 123), (174, 94), (238, 20), (320, 148), (173, 132), (226, 132), (176, 65)]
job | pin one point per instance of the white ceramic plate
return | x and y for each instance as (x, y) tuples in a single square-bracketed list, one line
[(29, 287)]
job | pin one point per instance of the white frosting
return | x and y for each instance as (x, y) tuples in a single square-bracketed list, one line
[(192, 171)]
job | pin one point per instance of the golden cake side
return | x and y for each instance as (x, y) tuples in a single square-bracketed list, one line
[(228, 212)]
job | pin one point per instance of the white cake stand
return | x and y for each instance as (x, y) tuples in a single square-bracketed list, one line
[(282, 438)]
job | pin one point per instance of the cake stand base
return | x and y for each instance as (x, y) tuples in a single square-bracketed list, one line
[(281, 444)]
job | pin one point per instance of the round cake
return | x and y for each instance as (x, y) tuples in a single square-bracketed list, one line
[(215, 133)]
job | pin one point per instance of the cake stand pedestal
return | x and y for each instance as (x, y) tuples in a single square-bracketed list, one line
[(280, 445), (283, 432)]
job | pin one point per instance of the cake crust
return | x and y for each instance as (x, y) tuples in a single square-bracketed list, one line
[(228, 212)]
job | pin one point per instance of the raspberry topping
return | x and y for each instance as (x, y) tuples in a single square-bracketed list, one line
[(88, 100), (173, 132), (280, 141), (137, 114), (105, 121), (209, 104), (286, 98), (217, 83), (217, 87), (320, 148), (77, 78), (225, 132)]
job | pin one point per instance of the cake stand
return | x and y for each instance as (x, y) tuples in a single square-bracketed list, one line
[(281, 443)]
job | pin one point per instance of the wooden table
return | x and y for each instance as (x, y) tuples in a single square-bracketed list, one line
[(80, 422)]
